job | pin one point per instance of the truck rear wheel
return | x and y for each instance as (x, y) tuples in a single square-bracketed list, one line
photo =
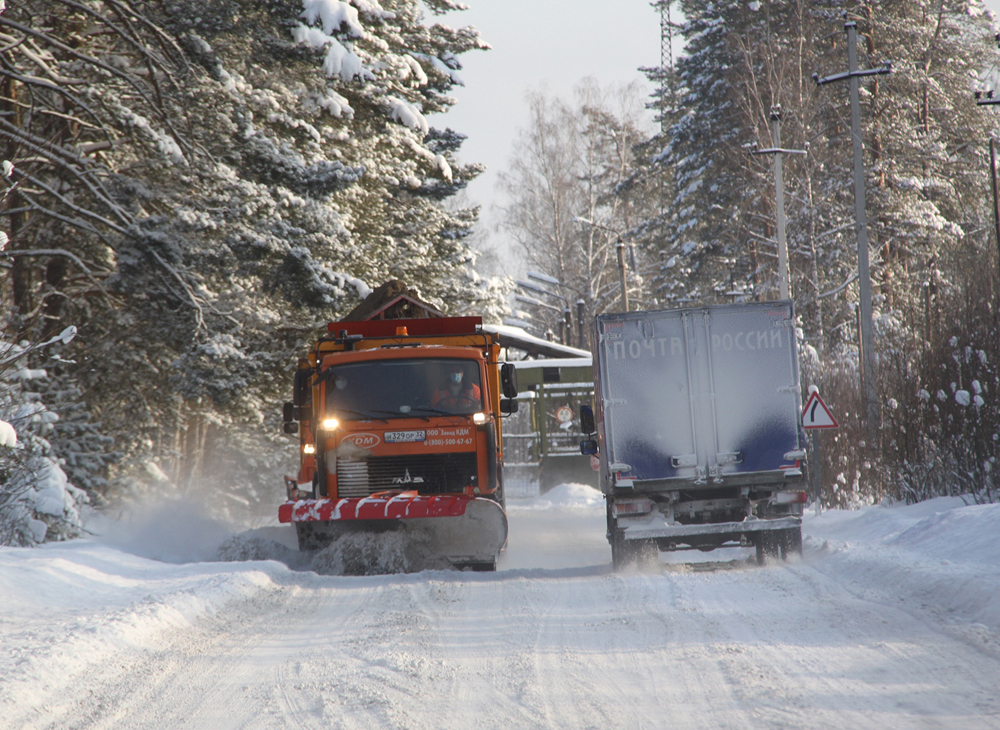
[(790, 542), (619, 553), (632, 553), (767, 546)]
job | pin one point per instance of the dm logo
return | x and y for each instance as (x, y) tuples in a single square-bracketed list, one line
[(362, 440)]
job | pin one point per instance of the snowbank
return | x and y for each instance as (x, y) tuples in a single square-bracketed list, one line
[(941, 556), (576, 496), (71, 606)]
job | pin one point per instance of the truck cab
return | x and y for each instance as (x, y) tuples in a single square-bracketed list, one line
[(399, 410)]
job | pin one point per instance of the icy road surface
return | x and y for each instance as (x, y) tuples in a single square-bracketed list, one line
[(891, 620)]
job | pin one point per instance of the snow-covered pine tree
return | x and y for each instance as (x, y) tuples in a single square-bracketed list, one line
[(931, 227), (701, 234), (216, 210), (925, 144), (38, 502)]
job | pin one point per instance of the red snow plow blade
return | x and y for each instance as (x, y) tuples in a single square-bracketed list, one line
[(381, 506), (467, 531)]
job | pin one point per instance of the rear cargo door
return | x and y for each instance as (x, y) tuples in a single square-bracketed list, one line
[(699, 393), (647, 395), (754, 389)]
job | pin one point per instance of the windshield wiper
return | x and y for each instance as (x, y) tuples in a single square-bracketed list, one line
[(400, 414), (369, 416), (441, 412)]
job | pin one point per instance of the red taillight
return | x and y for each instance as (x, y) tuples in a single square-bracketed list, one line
[(790, 497), (631, 507)]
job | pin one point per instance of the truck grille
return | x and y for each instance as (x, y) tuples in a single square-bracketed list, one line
[(426, 474)]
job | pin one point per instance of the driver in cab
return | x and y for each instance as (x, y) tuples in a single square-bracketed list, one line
[(456, 395)]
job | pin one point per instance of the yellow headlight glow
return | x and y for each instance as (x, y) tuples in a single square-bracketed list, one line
[(308, 449), (479, 418), (330, 424)]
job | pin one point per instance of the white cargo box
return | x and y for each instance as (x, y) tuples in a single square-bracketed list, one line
[(706, 395)]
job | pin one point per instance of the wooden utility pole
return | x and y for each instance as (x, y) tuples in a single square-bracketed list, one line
[(784, 280), (869, 368)]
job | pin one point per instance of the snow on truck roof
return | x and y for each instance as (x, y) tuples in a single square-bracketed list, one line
[(554, 362), (520, 339)]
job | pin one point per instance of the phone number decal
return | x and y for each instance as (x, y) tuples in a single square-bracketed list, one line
[(450, 442)]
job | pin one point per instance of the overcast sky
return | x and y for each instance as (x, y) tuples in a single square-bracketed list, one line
[(542, 44), (550, 44)]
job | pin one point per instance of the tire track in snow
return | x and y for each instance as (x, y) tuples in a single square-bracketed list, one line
[(232, 670), (798, 651), (784, 646)]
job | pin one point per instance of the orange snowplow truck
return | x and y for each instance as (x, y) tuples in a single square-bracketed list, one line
[(399, 425)]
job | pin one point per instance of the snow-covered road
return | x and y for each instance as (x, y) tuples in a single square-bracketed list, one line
[(891, 620)]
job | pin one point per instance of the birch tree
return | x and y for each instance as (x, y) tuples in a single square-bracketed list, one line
[(563, 211)]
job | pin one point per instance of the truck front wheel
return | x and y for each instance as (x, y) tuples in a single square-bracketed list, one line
[(311, 536)]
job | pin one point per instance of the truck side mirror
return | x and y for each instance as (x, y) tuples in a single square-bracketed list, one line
[(587, 420), (588, 447), (302, 388), (508, 406), (508, 380), (291, 427), (288, 412)]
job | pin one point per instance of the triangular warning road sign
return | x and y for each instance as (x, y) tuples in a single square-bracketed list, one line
[(816, 414)]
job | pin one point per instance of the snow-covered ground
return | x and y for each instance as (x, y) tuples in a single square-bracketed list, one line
[(891, 620)]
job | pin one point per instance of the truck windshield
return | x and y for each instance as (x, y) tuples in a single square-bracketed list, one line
[(416, 388)]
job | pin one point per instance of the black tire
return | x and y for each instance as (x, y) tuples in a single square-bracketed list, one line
[(791, 542), (647, 554), (627, 554), (321, 477), (489, 566), (767, 547), (476, 566), (311, 536), (500, 496), (620, 553)]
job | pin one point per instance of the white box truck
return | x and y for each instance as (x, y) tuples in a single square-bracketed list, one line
[(698, 429)]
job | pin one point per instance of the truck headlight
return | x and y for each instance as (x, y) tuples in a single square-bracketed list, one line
[(479, 418), (330, 424), (308, 449)]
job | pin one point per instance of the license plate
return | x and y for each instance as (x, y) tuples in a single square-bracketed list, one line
[(402, 437)]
